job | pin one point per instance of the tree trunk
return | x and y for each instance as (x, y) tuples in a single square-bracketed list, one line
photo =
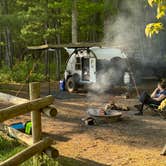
[(9, 45), (74, 21), (1, 50), (7, 50), (58, 52), (7, 35)]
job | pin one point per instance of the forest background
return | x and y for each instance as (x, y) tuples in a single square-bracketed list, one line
[(37, 22)]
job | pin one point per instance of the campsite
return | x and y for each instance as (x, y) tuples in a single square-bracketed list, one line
[(82, 83), (131, 141)]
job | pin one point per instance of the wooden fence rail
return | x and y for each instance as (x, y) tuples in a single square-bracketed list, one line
[(50, 110), (12, 99), (20, 109), (34, 105)]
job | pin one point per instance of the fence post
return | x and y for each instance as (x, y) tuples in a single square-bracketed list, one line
[(34, 93), (163, 151)]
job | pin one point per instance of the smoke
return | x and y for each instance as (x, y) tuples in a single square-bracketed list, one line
[(98, 92), (106, 80), (124, 30), (127, 31)]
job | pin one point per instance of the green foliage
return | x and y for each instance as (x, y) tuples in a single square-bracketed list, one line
[(2, 43), (24, 23), (41, 21), (31, 31), (8, 148), (110, 7), (155, 28), (5, 74), (22, 72)]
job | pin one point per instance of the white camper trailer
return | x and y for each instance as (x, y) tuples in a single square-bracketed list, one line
[(86, 65)]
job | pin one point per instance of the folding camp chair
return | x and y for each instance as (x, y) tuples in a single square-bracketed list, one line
[(151, 107), (154, 108)]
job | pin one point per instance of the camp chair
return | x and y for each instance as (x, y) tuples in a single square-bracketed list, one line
[(151, 107), (162, 114), (162, 109), (154, 108)]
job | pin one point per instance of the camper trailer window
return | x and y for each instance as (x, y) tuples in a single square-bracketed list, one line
[(78, 63), (78, 60), (78, 67)]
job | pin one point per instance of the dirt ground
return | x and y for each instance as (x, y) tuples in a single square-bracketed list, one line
[(132, 141)]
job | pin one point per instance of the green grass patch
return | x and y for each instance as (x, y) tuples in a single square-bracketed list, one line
[(8, 147)]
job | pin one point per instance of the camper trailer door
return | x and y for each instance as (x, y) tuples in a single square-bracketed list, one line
[(92, 66)]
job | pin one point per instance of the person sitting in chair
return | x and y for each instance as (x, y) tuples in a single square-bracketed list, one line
[(155, 98)]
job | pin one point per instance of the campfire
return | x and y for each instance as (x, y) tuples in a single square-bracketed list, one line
[(108, 113)]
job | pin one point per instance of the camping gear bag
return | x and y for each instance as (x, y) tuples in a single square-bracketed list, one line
[(18, 126), (28, 127)]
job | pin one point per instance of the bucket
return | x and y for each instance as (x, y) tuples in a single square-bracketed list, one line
[(62, 85)]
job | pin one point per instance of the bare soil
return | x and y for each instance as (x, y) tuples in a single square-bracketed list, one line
[(132, 141)]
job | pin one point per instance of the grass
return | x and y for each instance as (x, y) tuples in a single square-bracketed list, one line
[(8, 147), (43, 160)]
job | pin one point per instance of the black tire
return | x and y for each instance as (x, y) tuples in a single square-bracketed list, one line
[(71, 85)]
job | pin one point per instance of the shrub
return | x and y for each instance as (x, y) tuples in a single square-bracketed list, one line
[(5, 74), (22, 72)]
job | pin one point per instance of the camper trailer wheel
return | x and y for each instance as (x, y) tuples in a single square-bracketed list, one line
[(71, 85)]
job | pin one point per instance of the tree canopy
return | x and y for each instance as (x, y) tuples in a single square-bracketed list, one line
[(38, 22)]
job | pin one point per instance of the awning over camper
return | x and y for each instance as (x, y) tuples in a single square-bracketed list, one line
[(100, 51), (106, 53), (55, 46)]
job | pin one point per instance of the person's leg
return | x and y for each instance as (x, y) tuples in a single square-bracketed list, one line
[(152, 101), (140, 110), (144, 98)]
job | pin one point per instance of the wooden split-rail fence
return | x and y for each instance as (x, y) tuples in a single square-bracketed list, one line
[(35, 105)]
